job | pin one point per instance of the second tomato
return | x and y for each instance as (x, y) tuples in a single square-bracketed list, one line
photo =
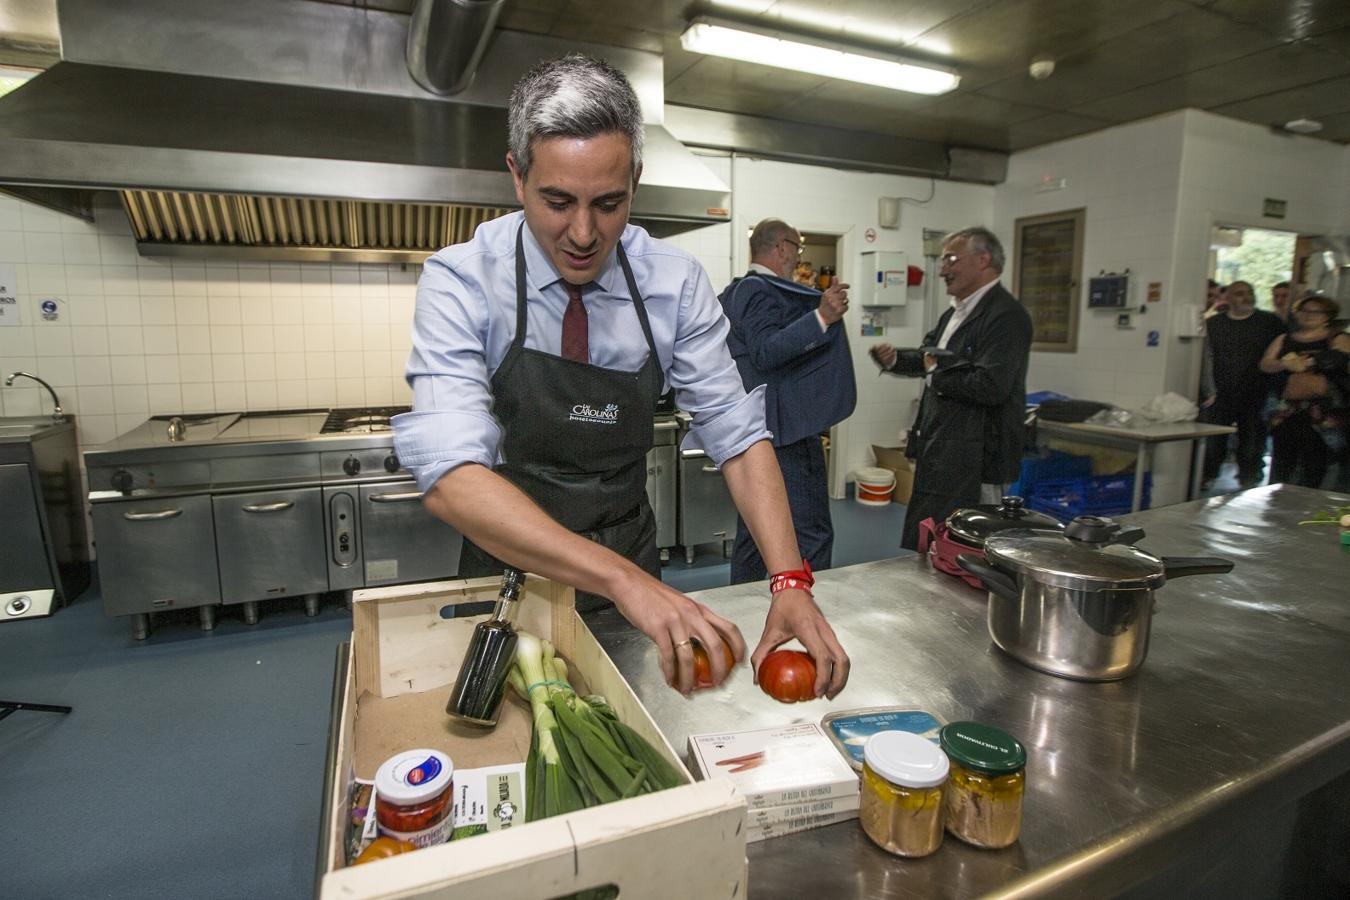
[(788, 676)]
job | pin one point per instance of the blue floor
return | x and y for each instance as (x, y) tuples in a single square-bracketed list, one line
[(192, 764)]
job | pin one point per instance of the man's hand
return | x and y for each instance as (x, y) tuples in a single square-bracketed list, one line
[(834, 303), (793, 613), (673, 621), (1209, 401), (884, 355), (929, 363)]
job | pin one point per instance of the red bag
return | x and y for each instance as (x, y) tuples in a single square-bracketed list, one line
[(944, 551)]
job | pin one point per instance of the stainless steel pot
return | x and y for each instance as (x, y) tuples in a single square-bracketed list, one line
[(1077, 605)]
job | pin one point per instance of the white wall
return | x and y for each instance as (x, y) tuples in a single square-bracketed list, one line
[(136, 336), (1152, 190)]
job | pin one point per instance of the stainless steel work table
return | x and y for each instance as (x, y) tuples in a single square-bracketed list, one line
[(1142, 439), (1241, 707)]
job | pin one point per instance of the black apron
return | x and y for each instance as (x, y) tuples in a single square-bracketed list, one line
[(575, 439)]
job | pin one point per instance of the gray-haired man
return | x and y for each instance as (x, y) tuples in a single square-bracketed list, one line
[(539, 349), (969, 434)]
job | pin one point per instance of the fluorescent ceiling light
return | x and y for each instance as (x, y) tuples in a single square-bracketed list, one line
[(703, 36)]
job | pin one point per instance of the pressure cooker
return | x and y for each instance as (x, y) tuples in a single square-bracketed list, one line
[(966, 530), (1078, 604)]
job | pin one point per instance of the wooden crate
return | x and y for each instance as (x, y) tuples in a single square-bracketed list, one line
[(688, 840)]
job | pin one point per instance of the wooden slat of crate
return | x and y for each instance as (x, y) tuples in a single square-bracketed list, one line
[(689, 838)]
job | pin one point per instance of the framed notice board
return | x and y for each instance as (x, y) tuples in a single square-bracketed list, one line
[(1047, 270)]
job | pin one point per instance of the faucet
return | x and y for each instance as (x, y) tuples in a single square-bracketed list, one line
[(57, 414)]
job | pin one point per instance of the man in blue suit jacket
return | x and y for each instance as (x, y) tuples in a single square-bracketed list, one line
[(791, 338)]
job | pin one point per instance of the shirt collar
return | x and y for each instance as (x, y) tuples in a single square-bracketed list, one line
[(964, 307), (541, 272), (763, 270)]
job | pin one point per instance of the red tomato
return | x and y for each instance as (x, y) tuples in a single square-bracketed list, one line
[(788, 676), (703, 665)]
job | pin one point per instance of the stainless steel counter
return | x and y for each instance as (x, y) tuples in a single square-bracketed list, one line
[(1241, 704)]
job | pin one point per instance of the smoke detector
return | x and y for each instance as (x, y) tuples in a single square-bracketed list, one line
[(1303, 126), (1042, 67)]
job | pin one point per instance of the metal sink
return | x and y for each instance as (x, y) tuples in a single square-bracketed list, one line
[(24, 427)]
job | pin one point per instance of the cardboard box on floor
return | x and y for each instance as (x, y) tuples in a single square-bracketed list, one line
[(894, 458)]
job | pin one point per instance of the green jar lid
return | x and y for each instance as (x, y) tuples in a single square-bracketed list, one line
[(983, 748)]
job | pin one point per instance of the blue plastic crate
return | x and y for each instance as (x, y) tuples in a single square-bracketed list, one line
[(1049, 465), (1097, 495)]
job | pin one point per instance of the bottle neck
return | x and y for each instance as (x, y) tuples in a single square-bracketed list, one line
[(505, 610)]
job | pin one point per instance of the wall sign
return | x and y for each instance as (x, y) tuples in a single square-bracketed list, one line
[(51, 311), (9, 295), (1047, 272), (1273, 208)]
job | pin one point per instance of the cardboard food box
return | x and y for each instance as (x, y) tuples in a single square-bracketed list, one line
[(894, 458), (390, 695)]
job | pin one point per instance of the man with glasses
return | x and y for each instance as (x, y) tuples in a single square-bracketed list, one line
[(968, 438), (791, 339)]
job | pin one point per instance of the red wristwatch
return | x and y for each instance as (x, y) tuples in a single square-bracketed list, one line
[(784, 581)]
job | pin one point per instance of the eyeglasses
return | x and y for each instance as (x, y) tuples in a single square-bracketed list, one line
[(949, 259), (1315, 310), (800, 248)]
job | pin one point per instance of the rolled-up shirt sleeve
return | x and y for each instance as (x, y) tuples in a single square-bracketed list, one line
[(451, 422), (726, 420)]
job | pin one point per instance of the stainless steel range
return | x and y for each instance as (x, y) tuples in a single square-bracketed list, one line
[(236, 508)]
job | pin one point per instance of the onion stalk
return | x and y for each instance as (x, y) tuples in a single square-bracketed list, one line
[(581, 755)]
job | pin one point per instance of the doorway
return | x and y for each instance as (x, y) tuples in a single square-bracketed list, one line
[(1262, 257)]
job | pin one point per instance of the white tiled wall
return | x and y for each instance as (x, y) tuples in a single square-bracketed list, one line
[(136, 336)]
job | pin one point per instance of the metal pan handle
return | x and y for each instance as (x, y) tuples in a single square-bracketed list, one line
[(1177, 566), (994, 580)]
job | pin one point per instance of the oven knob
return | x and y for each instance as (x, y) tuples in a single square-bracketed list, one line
[(391, 464), (122, 481), (352, 466)]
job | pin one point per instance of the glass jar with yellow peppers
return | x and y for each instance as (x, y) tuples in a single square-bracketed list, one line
[(901, 804), (988, 776)]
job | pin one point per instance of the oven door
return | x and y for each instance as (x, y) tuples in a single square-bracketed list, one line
[(400, 540)]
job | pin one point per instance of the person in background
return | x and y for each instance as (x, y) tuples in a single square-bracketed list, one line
[(1233, 385), (540, 348), (1214, 299), (791, 339), (1279, 300), (968, 439), (1309, 423)]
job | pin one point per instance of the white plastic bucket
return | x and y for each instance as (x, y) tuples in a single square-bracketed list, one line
[(873, 486)]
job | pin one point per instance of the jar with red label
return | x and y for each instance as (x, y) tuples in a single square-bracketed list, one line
[(413, 793)]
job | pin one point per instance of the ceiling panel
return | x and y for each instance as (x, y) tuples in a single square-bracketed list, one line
[(1054, 127), (1286, 20), (1315, 101), (1185, 42), (1286, 66), (1005, 35)]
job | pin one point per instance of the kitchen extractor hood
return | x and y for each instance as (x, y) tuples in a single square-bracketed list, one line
[(294, 129)]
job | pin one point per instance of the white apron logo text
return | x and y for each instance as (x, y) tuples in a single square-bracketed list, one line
[(584, 412)]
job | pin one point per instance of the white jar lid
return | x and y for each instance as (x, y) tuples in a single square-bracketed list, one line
[(906, 759), (414, 776)]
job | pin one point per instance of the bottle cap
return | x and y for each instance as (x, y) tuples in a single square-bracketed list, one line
[(414, 776)]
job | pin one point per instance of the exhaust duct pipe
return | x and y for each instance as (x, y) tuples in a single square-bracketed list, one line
[(447, 40)]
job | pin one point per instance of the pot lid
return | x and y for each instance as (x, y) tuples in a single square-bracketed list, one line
[(973, 525), (1069, 561)]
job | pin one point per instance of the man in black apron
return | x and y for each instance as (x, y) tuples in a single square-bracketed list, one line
[(566, 496)]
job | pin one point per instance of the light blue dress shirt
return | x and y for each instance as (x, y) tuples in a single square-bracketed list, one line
[(466, 319)]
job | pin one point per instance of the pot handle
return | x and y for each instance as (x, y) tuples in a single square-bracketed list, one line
[(1177, 566), (1128, 535), (994, 580)]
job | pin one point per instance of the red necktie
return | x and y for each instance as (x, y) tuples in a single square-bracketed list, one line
[(575, 344)]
